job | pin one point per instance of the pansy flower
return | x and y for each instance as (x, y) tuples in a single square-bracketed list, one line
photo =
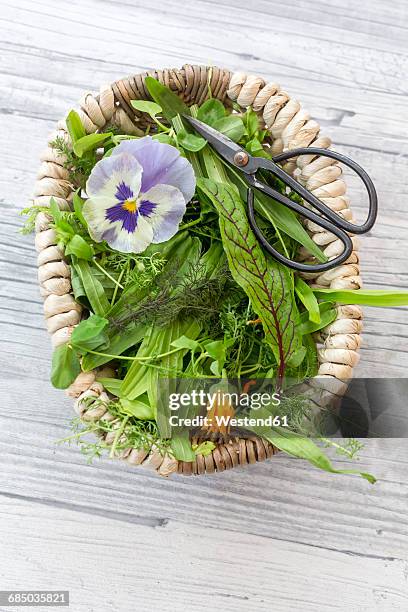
[(138, 195)]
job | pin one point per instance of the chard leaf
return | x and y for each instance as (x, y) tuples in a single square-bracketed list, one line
[(268, 284), (366, 297), (65, 366), (308, 299)]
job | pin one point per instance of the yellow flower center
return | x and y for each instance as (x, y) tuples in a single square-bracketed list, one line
[(130, 206)]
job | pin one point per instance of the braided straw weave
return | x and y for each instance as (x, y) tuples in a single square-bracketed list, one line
[(289, 126)]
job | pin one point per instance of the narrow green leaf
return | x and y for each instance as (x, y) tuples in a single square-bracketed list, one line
[(137, 407), (89, 142), (181, 447), (308, 299), (303, 448), (74, 126), (78, 205), (55, 211), (171, 104), (366, 297), (327, 313), (286, 220), (93, 288), (65, 366)]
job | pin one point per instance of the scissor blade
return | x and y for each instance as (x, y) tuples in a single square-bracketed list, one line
[(226, 147)]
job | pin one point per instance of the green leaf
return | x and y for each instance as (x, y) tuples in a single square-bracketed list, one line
[(78, 203), (165, 138), (80, 248), (89, 142), (112, 385), (145, 106), (92, 287), (366, 297), (137, 407), (327, 314), (170, 103), (90, 333), (308, 299), (190, 142), (210, 111), (74, 126), (65, 366), (181, 447), (267, 283), (55, 211), (232, 126), (286, 220), (215, 349), (119, 343), (251, 122), (255, 148), (187, 343), (204, 449), (303, 448)]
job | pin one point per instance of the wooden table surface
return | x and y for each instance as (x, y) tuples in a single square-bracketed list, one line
[(279, 536)]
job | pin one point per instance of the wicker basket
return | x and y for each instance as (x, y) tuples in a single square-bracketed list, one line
[(289, 126)]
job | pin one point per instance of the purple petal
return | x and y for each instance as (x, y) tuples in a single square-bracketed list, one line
[(161, 163), (119, 213), (124, 192), (146, 208)]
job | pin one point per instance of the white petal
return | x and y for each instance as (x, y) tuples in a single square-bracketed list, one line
[(110, 172), (133, 242), (170, 207)]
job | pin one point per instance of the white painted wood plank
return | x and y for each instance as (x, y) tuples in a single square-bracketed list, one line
[(113, 565)]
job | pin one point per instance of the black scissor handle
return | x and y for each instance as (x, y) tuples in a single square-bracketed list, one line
[(305, 212), (309, 197)]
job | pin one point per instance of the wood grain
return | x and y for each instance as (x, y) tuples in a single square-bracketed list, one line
[(280, 535)]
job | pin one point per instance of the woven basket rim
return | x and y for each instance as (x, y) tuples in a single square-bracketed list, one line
[(289, 127)]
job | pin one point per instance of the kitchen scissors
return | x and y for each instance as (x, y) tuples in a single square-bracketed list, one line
[(238, 157)]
